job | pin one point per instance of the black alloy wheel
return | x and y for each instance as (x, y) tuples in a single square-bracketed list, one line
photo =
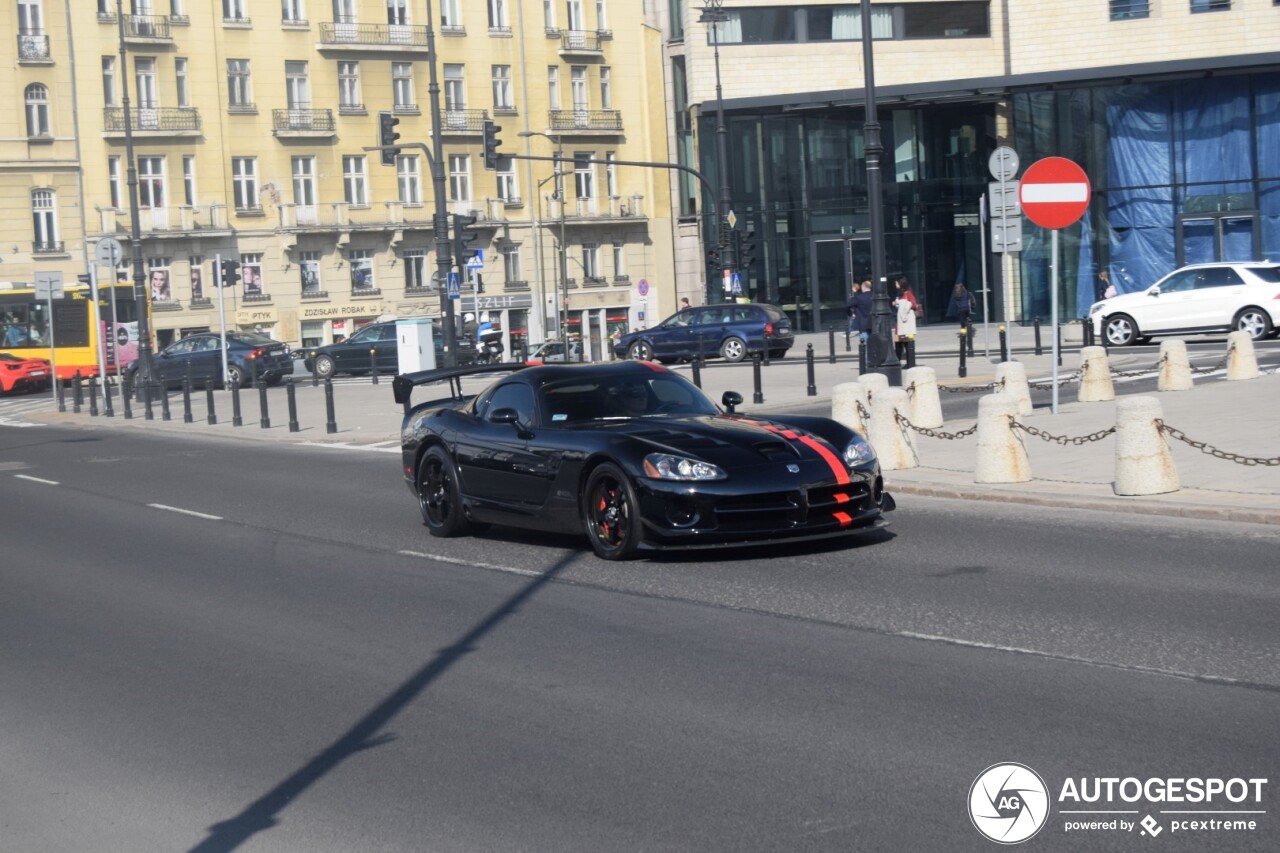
[(438, 494), (611, 514)]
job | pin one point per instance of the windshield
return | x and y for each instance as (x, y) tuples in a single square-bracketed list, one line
[(620, 396)]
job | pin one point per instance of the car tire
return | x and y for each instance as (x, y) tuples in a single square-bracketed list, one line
[(733, 349), (324, 366), (1119, 330), (235, 374), (439, 497), (640, 351), (777, 353), (1253, 320), (611, 514)]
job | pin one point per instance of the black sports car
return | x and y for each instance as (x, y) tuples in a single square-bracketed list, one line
[(633, 455)]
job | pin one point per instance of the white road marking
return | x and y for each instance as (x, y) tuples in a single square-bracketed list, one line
[(167, 508), (37, 480), (472, 563), (347, 445)]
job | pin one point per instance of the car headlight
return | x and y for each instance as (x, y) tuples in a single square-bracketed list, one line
[(1095, 308), (664, 466), (858, 453)]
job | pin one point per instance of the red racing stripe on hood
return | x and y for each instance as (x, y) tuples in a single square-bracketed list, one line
[(833, 461)]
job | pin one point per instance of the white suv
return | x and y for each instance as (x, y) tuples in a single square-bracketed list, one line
[(1222, 297)]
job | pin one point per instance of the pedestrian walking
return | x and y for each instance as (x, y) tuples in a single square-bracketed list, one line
[(907, 309), (963, 301)]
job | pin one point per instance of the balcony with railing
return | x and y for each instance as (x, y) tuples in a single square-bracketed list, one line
[(344, 217), (455, 122), (582, 122), (33, 46), (179, 221), (580, 43), (303, 122), (383, 38), (587, 211), (152, 121), (47, 247), (147, 29)]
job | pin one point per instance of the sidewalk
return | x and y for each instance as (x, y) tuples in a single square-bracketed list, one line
[(1241, 417)]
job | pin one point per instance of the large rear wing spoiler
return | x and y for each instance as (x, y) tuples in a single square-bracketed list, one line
[(402, 386)]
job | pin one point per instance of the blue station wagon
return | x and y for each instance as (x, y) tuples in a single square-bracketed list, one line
[(732, 330)]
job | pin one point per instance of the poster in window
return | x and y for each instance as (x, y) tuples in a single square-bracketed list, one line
[(197, 281), (310, 276), (252, 276), (160, 291)]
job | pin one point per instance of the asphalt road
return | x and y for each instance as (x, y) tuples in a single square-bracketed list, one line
[(289, 670)]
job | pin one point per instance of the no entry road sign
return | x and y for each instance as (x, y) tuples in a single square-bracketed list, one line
[(1054, 192)]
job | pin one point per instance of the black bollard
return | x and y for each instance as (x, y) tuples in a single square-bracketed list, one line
[(253, 372), (293, 405), (315, 377), (265, 421), (60, 388), (187, 417), (331, 425), (969, 335), (701, 359), (964, 371), (93, 396), (831, 346), (148, 414), (1004, 345), (373, 365), (808, 363), (848, 341), (862, 355), (1088, 332), (77, 393), (208, 398), (1057, 334), (126, 397), (236, 420), (107, 411), (697, 370), (758, 395), (911, 351), (1035, 321), (163, 390), (765, 356)]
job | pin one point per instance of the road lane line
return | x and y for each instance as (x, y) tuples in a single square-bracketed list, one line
[(37, 480), (473, 564), (177, 509)]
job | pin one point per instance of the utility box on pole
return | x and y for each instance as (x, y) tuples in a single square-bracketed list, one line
[(415, 344)]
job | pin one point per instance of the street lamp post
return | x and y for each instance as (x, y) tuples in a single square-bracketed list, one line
[(714, 14), (440, 221), (881, 358), (562, 311)]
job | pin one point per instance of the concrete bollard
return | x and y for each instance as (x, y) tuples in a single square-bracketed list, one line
[(1002, 455), (1014, 376), (1095, 376), (892, 442), (1175, 366), (845, 399), (926, 406), (875, 382), (1241, 361), (1144, 465)]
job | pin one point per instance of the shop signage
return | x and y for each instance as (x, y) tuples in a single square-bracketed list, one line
[(328, 312), (499, 303)]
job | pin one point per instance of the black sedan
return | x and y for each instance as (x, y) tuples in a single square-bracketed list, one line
[(633, 455), (250, 356), (374, 345)]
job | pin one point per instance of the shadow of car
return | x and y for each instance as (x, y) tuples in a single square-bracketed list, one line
[(250, 355), (732, 330)]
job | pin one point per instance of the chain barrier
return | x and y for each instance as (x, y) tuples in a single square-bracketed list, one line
[(934, 433), (862, 412), (1062, 439), (1201, 371), (972, 389), (1213, 451), (1074, 376)]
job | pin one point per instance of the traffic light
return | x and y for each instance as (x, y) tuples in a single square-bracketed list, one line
[(746, 249), (462, 239), (387, 136), (230, 273), (713, 261), (491, 143)]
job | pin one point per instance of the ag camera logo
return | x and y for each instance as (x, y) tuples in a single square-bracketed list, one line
[(1008, 803)]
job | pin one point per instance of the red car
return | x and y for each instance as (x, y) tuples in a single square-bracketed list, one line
[(23, 374)]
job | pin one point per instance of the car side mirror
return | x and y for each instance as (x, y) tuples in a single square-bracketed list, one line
[(1155, 291), (507, 415), (731, 399)]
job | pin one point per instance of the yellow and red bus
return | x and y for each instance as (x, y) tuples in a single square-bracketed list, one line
[(77, 326)]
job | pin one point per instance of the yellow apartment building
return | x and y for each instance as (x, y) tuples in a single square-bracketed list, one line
[(249, 122)]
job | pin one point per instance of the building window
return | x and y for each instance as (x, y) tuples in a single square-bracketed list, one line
[(415, 270), (619, 265), (584, 174), (44, 217), (1210, 5), (309, 270), (144, 82), (511, 262), (549, 14), (606, 88), (502, 87), (508, 188), (361, 270), (553, 87), (304, 189), (409, 178), (37, 97), (234, 11), (189, 179), (450, 15), (460, 177), (344, 12), (578, 88), (239, 92), (109, 81), (602, 20), (182, 81), (244, 182), (297, 85), (1123, 10), (498, 15), (402, 85), (455, 89), (354, 180), (151, 182), (113, 180), (397, 13), (293, 11), (349, 85), (591, 260), (195, 267), (160, 280), (611, 174), (251, 275)]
